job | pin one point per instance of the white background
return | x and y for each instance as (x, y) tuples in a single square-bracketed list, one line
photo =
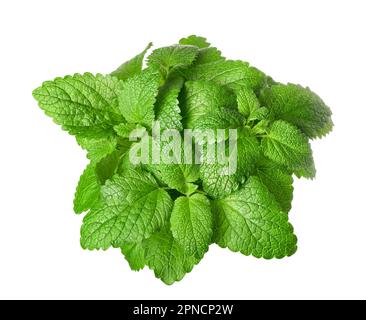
[(316, 43)]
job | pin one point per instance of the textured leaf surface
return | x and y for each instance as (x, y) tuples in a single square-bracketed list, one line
[(133, 208), (124, 129), (178, 174), (169, 58), (81, 103), (248, 152), (88, 190), (217, 181), (167, 105), (251, 221), (286, 145), (233, 74), (226, 118), (261, 113), (200, 98), (135, 255), (165, 214), (98, 148), (278, 182), (107, 167), (194, 40), (131, 67), (247, 101), (299, 106), (191, 224), (138, 95), (167, 258), (208, 55)]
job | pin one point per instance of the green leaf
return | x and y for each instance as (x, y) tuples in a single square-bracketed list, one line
[(247, 101), (133, 207), (251, 221), (233, 74), (104, 164), (261, 113), (208, 55), (167, 105), (107, 167), (131, 67), (288, 146), (278, 182), (137, 97), (125, 129), (299, 106), (194, 40), (169, 58), (248, 151), (81, 104), (225, 118), (178, 174), (88, 190), (135, 255), (98, 148), (217, 181), (191, 224), (200, 98), (261, 127), (126, 165), (166, 257)]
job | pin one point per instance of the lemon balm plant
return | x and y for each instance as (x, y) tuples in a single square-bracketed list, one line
[(166, 215)]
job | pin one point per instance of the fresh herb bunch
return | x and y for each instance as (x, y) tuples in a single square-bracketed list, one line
[(165, 216)]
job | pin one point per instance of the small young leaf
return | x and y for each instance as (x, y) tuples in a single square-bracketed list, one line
[(178, 175), (98, 148), (194, 40), (124, 130), (169, 58), (131, 67), (247, 101), (208, 55)]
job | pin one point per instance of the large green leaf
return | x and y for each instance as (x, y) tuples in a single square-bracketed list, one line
[(133, 208), (191, 224), (251, 221)]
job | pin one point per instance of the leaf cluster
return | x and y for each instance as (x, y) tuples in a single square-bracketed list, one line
[(166, 216)]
